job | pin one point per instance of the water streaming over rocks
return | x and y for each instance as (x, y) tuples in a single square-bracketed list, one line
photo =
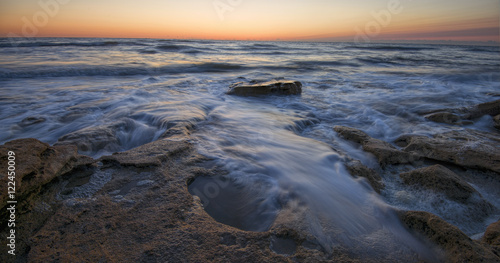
[(284, 163)]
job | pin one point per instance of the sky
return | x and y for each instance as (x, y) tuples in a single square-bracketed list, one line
[(322, 20)]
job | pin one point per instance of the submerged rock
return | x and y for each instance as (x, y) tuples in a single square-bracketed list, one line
[(440, 179), (443, 117), (282, 87), (28, 121), (386, 153), (457, 246), (467, 148)]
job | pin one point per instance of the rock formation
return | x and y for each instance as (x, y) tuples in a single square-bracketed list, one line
[(132, 206), (492, 236), (496, 119), (282, 87), (456, 246), (443, 117), (440, 179), (467, 148), (38, 164), (356, 168), (384, 152), (463, 116)]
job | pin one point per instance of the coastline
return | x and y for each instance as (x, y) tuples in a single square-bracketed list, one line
[(135, 205)]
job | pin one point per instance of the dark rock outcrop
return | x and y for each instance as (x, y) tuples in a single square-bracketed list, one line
[(356, 168), (443, 117), (282, 87), (457, 246), (440, 179), (489, 108), (496, 119), (28, 121), (467, 148), (386, 153), (462, 116)]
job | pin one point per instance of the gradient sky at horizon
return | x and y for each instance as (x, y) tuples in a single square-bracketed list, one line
[(461, 20)]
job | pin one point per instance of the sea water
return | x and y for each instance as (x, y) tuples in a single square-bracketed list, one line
[(279, 151)]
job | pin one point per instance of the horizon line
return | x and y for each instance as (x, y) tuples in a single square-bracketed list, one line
[(375, 41)]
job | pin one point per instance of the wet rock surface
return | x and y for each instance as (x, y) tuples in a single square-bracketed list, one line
[(466, 148), (29, 121), (440, 179), (356, 168), (443, 117), (37, 164), (134, 207), (436, 174), (496, 119), (462, 116), (125, 134), (91, 140), (384, 152), (492, 236), (456, 246), (489, 108), (281, 87)]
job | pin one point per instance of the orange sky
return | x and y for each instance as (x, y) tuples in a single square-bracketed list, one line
[(255, 19)]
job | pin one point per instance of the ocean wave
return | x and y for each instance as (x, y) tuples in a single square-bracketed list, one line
[(106, 43), (187, 49), (418, 60), (260, 46), (377, 60), (147, 51), (313, 64), (216, 67), (172, 47), (483, 49), (114, 70), (391, 48)]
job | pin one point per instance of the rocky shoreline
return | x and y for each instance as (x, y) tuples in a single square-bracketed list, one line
[(134, 206)]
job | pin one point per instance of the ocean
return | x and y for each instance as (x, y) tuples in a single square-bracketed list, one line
[(135, 90)]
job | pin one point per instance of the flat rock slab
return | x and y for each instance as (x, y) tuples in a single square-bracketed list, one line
[(282, 87)]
